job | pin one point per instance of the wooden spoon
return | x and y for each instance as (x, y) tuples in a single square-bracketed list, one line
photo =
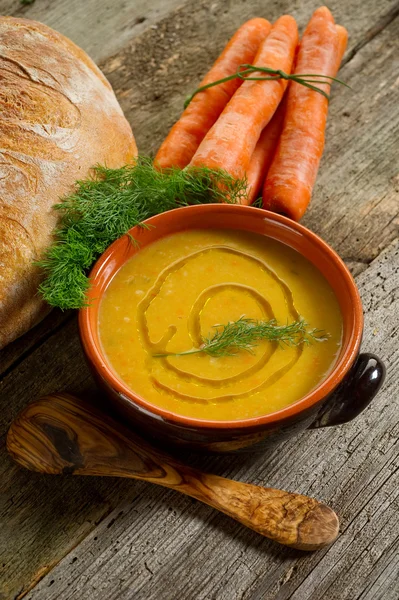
[(62, 434)]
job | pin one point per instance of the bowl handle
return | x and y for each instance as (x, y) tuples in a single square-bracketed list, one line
[(354, 393)]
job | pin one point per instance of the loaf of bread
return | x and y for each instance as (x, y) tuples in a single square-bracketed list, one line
[(58, 118)]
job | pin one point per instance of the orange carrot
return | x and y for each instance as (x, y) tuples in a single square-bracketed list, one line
[(292, 174), (230, 143), (263, 154), (186, 135)]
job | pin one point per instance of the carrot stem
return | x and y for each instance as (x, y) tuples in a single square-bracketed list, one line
[(274, 74)]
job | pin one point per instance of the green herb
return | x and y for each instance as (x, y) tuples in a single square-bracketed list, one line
[(245, 333), (103, 209), (258, 203), (26, 2), (244, 72)]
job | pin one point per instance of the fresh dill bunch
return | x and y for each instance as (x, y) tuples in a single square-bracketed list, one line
[(244, 334), (104, 208)]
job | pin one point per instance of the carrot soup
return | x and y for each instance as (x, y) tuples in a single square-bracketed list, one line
[(178, 291)]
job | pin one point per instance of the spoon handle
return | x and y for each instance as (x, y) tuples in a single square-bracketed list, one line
[(62, 434)]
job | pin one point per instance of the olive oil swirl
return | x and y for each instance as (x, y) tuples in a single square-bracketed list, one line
[(194, 330)]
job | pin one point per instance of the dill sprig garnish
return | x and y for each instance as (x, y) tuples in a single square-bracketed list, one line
[(106, 207), (244, 334)]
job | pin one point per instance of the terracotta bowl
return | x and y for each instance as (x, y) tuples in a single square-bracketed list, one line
[(353, 383)]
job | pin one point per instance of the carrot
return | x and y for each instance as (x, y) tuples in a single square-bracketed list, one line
[(230, 143), (342, 42), (186, 135), (292, 174), (263, 154)]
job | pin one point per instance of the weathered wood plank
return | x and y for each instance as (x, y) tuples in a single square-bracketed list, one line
[(161, 547), (100, 28), (47, 517), (26, 344)]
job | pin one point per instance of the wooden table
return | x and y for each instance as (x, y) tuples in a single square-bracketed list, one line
[(77, 538)]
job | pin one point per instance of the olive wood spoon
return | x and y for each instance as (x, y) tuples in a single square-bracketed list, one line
[(62, 434)]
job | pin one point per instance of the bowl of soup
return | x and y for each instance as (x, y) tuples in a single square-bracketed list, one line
[(161, 294)]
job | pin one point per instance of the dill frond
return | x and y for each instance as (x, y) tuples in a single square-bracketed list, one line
[(244, 334), (106, 207)]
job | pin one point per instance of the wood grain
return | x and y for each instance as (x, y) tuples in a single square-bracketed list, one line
[(133, 537), (100, 28), (14, 353)]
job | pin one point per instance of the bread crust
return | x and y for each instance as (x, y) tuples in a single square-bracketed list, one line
[(58, 118)]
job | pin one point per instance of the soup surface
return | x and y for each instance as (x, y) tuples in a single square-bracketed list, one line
[(174, 291)]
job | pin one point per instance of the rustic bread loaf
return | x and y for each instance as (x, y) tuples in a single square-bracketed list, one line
[(58, 118)]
